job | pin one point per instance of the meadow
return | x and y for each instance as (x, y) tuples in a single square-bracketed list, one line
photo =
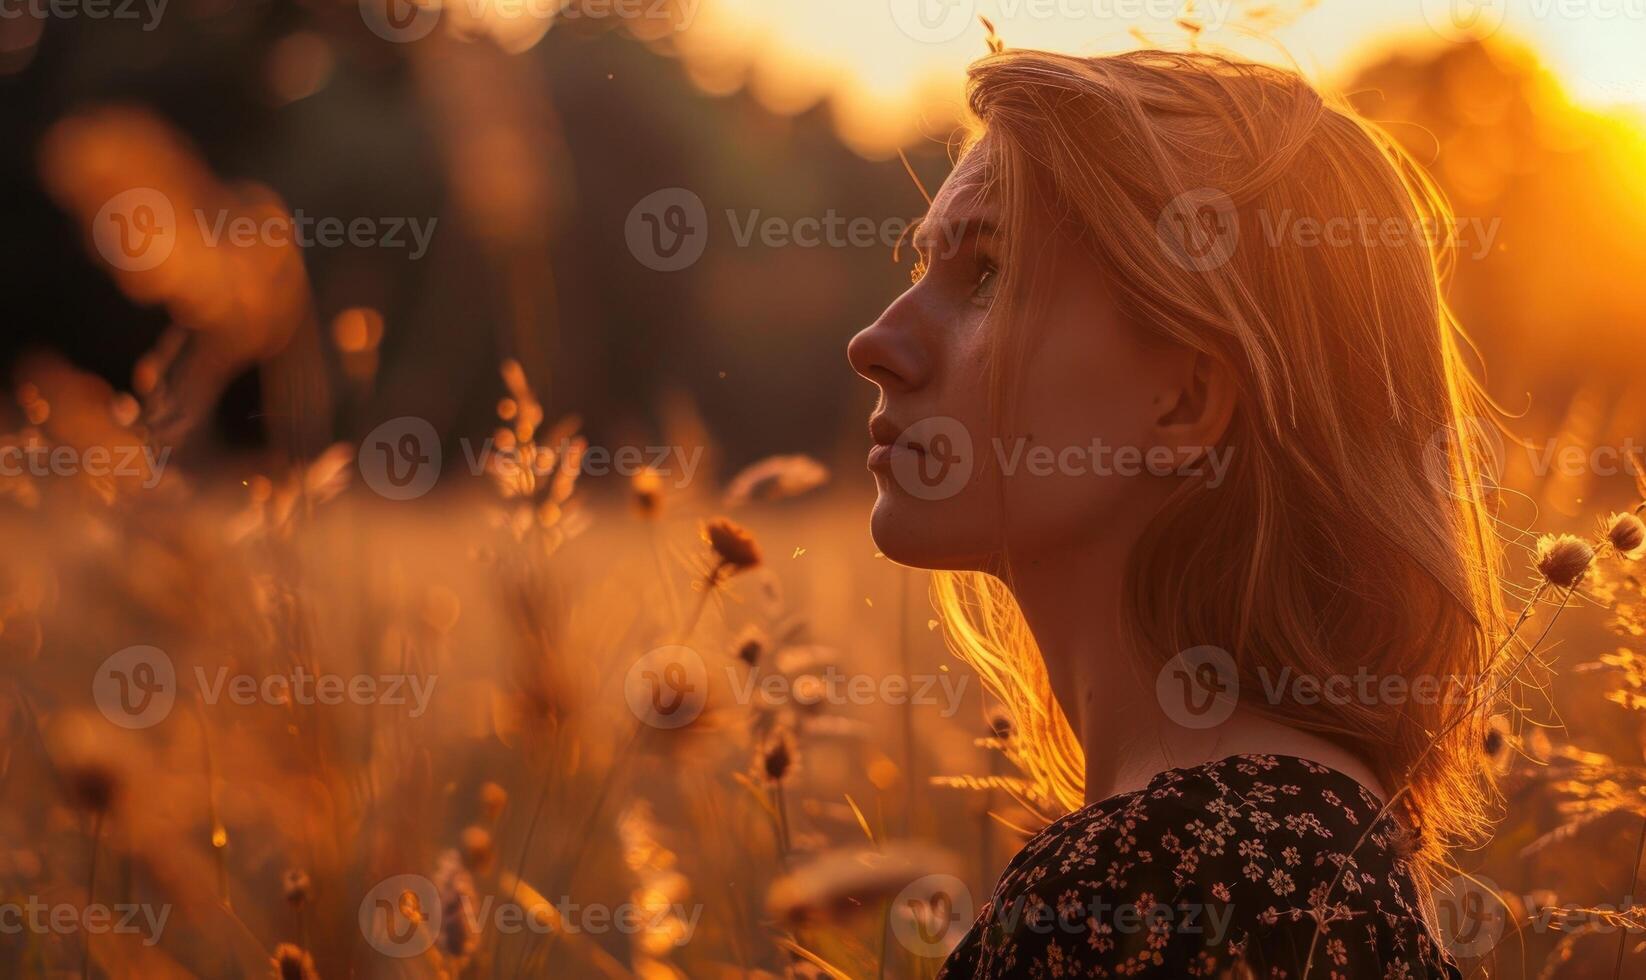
[(532, 724)]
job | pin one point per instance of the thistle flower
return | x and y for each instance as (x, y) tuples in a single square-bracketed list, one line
[(1498, 744), (292, 963), (1626, 533), (295, 885), (477, 850), (735, 549), (751, 644), (85, 760), (493, 798), (1000, 723), (646, 486), (1563, 559), (777, 758)]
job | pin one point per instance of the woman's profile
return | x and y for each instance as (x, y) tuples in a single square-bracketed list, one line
[(1176, 410)]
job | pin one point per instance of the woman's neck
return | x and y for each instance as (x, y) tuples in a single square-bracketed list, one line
[(1072, 601)]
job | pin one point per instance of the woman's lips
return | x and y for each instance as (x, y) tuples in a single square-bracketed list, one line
[(882, 454)]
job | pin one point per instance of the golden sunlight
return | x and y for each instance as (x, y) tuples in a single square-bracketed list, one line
[(892, 68)]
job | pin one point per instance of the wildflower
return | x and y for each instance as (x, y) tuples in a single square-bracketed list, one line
[(493, 798), (777, 758), (477, 849), (293, 963), (750, 646), (840, 883), (775, 478), (295, 885), (86, 762), (1000, 723), (1626, 532), (1498, 744), (647, 488), (1563, 559), (734, 548)]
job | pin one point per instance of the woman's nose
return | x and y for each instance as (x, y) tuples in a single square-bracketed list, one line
[(888, 352)]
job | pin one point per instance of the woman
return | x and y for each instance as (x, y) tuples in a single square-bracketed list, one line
[(1177, 411)]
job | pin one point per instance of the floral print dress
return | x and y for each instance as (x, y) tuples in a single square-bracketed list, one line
[(1219, 870)]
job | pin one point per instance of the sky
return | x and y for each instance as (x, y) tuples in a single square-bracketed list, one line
[(892, 69)]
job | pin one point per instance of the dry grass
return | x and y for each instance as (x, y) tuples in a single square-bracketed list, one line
[(547, 774)]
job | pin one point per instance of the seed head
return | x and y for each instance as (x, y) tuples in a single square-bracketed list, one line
[(477, 849), (295, 885), (86, 760), (777, 758), (493, 798), (1000, 723), (751, 645), (293, 963), (1626, 532), (647, 487), (1563, 559), (734, 548), (776, 478), (840, 885)]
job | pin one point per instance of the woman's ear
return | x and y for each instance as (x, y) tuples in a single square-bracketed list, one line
[(1200, 405)]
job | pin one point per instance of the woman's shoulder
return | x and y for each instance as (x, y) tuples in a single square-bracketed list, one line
[(1237, 860)]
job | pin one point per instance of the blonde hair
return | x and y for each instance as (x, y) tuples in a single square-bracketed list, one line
[(1350, 528)]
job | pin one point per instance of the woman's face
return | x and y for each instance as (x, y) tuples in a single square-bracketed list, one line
[(1087, 445)]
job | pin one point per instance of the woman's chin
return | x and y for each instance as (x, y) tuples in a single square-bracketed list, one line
[(908, 532)]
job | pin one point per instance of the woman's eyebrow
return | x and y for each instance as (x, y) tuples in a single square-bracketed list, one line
[(943, 238)]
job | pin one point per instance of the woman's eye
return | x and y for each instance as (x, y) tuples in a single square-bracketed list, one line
[(988, 278)]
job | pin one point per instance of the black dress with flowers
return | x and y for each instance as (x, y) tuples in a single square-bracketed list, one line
[(1219, 870)]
